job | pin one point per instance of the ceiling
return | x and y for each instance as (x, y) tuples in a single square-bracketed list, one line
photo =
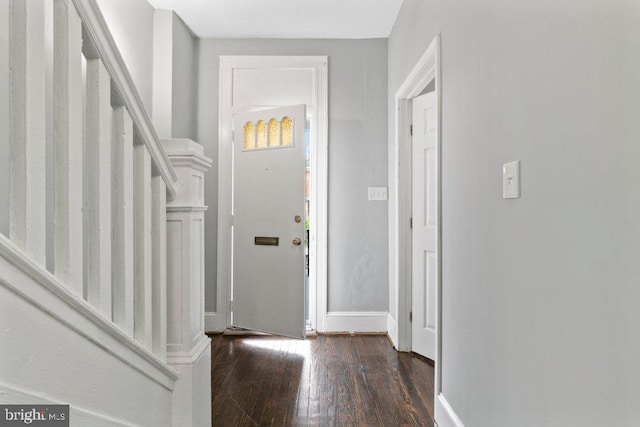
[(348, 19)]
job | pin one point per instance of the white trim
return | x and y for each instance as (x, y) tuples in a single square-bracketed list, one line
[(445, 416), (31, 282), (319, 179), (213, 322), (422, 73), (392, 329), (106, 48), (320, 199), (80, 416), (438, 80), (202, 345), (425, 70), (356, 321), (402, 228)]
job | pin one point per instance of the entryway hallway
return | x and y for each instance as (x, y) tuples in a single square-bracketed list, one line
[(326, 380)]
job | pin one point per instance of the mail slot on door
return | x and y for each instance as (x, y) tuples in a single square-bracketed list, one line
[(267, 241)]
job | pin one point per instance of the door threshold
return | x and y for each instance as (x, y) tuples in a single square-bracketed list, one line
[(234, 330), (237, 331)]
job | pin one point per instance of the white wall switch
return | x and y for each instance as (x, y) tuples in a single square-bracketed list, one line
[(377, 193), (511, 180)]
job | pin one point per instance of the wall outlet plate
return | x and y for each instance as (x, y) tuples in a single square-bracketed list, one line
[(377, 193), (511, 180)]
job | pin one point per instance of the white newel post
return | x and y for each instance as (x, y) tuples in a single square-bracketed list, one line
[(188, 348)]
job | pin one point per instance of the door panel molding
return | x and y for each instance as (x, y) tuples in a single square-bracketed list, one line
[(319, 177), (425, 219)]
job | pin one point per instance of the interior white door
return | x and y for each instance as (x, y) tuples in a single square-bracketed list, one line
[(269, 221), (425, 225)]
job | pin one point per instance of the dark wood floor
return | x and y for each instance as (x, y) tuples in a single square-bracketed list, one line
[(324, 381)]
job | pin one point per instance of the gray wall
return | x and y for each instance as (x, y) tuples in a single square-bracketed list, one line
[(357, 159), (541, 294), (131, 24), (4, 117), (185, 68)]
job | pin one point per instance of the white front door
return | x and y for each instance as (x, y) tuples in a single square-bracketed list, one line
[(269, 221), (425, 225)]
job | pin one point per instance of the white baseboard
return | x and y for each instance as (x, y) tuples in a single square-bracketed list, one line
[(77, 416), (445, 416), (357, 321), (213, 322), (392, 330)]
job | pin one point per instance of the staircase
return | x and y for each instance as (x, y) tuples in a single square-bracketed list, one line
[(101, 267)]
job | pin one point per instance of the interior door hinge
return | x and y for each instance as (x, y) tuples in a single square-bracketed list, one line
[(411, 222), (411, 130), (411, 316), (231, 306), (231, 220)]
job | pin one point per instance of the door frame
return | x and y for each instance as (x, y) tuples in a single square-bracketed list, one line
[(318, 171), (426, 70)]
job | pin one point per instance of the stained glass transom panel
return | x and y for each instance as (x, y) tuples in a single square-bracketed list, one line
[(249, 136), (287, 131), (261, 128), (270, 134), (274, 133)]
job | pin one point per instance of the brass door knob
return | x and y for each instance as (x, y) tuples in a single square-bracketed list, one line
[(297, 241), (298, 219)]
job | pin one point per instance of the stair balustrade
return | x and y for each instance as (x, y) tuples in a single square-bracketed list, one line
[(87, 264), (112, 176)]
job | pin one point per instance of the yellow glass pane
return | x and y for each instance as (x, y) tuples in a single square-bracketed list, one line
[(249, 136), (274, 133), (287, 131), (261, 134)]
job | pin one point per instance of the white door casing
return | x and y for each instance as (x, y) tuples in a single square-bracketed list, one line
[(424, 274), (238, 91), (426, 69), (268, 221)]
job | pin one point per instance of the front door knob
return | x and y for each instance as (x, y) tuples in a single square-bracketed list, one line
[(297, 241)]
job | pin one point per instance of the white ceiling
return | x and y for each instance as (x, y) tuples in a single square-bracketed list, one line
[(350, 19)]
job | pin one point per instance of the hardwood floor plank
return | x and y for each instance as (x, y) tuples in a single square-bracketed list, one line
[(323, 381)]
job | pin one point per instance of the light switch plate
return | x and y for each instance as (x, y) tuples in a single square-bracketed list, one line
[(511, 180), (377, 193)]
